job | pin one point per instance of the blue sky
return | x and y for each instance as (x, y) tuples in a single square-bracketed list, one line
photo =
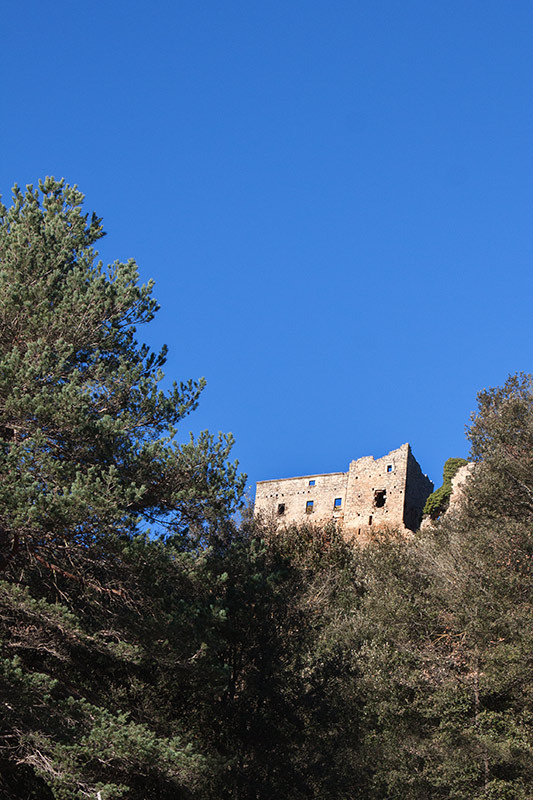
[(334, 199)]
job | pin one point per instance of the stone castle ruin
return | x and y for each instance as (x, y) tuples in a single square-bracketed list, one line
[(388, 492)]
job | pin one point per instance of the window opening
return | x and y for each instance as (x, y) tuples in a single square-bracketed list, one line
[(389, 468), (281, 508), (370, 520), (337, 502), (309, 507), (379, 498), (312, 483)]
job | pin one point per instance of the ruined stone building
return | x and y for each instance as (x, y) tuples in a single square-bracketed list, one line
[(373, 494)]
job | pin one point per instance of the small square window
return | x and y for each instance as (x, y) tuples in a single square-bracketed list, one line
[(309, 507), (312, 483), (338, 502), (389, 467)]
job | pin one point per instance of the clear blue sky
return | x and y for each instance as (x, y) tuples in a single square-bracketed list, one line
[(334, 198)]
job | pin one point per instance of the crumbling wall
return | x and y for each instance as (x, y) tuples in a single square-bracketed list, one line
[(376, 491), (459, 480), (309, 498), (387, 492), (418, 489)]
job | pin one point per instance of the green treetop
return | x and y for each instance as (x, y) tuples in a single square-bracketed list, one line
[(87, 445)]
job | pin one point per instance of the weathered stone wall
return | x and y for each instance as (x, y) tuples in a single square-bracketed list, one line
[(459, 480), (373, 494), (287, 499), (418, 489), (457, 496), (376, 493)]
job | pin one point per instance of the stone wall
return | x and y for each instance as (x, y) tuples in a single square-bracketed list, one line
[(459, 480), (376, 493), (289, 499), (387, 492), (418, 489), (457, 496)]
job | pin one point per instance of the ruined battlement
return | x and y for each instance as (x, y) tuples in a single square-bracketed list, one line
[(387, 492)]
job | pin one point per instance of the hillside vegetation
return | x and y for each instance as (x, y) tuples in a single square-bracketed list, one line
[(151, 647)]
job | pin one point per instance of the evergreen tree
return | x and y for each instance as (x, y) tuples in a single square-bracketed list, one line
[(285, 719), (96, 617), (87, 439)]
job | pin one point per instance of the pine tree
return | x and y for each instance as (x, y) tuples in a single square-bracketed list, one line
[(87, 438)]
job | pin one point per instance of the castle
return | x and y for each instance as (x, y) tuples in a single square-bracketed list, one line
[(388, 492)]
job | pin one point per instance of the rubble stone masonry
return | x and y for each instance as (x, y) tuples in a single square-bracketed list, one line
[(388, 492)]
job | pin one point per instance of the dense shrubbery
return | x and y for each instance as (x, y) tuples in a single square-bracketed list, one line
[(221, 661)]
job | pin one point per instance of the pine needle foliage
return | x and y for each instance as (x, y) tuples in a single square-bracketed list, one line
[(87, 437)]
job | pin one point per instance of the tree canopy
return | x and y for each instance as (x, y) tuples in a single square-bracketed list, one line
[(87, 438)]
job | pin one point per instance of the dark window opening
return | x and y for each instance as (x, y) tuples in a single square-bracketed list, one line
[(281, 508), (337, 502), (379, 498), (309, 507), (389, 468), (312, 483), (370, 520)]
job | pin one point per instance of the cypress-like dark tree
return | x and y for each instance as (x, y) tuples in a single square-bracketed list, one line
[(87, 438)]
